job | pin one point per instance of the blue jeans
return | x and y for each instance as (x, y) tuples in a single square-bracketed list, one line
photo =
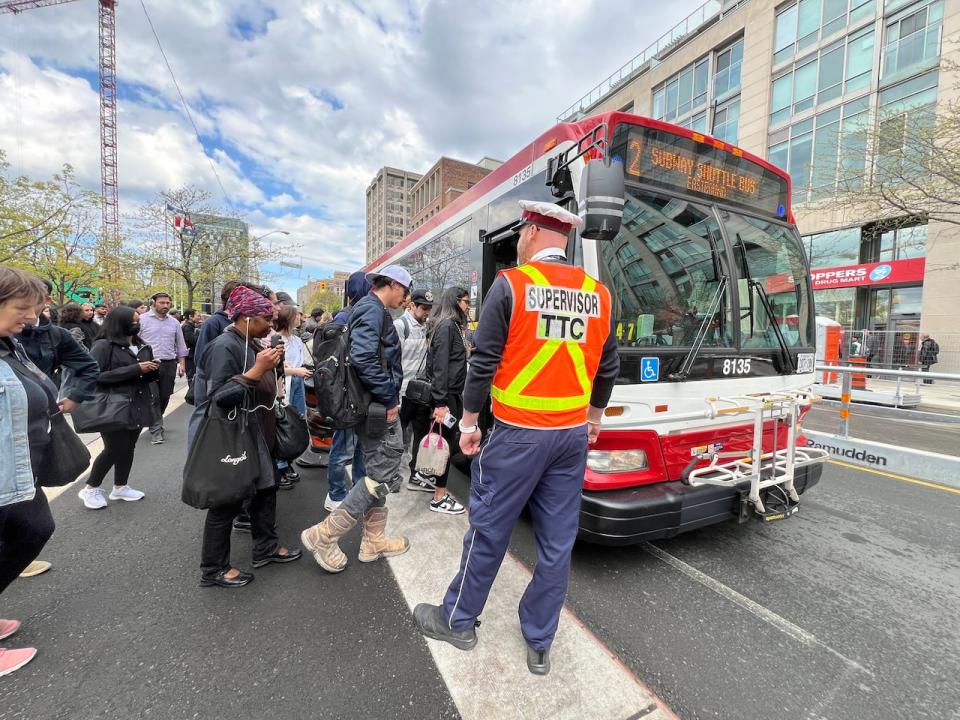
[(345, 446), (298, 396)]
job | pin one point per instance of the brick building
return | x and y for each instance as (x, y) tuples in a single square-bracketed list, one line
[(447, 180), (335, 285)]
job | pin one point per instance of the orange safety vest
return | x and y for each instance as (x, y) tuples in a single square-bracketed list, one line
[(559, 324)]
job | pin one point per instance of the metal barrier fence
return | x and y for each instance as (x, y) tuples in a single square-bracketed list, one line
[(931, 466), (900, 349)]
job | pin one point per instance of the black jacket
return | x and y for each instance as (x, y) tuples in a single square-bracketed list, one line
[(224, 362), (80, 332), (120, 372), (189, 336), (375, 351), (53, 349), (929, 352), (446, 362)]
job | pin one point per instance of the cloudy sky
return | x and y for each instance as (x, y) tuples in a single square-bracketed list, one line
[(299, 102)]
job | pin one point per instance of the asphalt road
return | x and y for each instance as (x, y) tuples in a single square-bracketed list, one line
[(125, 632), (845, 612), (855, 601), (915, 431)]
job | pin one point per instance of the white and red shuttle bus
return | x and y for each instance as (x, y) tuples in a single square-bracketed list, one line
[(713, 310)]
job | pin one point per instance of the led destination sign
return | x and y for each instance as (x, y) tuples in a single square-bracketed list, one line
[(681, 163)]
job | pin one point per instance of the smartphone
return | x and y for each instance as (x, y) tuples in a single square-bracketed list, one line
[(450, 420), (276, 340)]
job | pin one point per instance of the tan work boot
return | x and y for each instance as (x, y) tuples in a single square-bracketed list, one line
[(321, 540), (375, 543), (37, 567)]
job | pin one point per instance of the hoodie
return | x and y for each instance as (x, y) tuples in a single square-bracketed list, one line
[(358, 287)]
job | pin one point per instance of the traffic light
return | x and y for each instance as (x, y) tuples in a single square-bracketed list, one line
[(323, 286)]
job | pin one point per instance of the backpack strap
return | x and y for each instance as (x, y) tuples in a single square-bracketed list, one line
[(406, 326)]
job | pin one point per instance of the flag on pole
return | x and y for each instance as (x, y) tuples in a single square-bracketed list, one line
[(183, 225)]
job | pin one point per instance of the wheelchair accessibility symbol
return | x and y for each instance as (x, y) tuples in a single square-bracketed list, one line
[(649, 369)]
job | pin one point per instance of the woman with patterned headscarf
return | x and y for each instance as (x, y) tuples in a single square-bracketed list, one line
[(241, 376)]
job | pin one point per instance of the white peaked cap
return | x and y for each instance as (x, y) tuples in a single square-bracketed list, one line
[(550, 215)]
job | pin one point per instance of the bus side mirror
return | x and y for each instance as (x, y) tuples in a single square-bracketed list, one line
[(601, 198)]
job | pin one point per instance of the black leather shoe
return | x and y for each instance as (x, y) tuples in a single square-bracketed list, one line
[(431, 624), (538, 661), (291, 474), (221, 580), (292, 554), (242, 524), (284, 483)]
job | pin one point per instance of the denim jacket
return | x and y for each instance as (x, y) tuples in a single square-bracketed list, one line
[(16, 478)]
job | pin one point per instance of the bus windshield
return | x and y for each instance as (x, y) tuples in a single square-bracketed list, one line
[(667, 262)]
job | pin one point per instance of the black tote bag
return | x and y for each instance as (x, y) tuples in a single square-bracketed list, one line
[(66, 457), (223, 465), (106, 412)]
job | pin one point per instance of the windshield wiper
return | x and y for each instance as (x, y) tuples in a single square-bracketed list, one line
[(684, 372), (765, 301)]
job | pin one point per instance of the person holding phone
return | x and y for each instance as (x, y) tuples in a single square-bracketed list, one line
[(127, 367)]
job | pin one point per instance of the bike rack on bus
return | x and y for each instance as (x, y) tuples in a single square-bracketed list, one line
[(558, 168), (764, 470)]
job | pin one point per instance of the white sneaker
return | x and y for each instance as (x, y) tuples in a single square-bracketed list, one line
[(330, 504), (92, 497), (125, 492)]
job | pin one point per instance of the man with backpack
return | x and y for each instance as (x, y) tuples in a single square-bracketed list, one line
[(374, 358), (929, 350), (412, 329)]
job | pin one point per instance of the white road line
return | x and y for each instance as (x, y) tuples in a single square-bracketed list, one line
[(95, 446), (765, 614), (492, 682)]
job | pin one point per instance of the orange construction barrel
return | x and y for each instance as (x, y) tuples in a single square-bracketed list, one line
[(858, 380)]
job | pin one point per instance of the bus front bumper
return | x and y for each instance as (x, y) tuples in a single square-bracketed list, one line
[(662, 510)]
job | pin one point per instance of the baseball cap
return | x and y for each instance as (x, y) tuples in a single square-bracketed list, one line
[(394, 272), (422, 297)]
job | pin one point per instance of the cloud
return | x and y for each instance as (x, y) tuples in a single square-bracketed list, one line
[(300, 102)]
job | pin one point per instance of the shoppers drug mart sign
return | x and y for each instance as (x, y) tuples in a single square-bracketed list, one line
[(894, 272)]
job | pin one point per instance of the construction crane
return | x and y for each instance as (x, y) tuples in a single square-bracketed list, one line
[(108, 114)]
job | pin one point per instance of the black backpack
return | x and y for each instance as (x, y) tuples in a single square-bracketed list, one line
[(341, 398)]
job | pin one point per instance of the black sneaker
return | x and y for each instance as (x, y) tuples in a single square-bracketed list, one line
[(431, 624), (290, 474), (156, 439), (447, 505), (285, 483), (421, 483)]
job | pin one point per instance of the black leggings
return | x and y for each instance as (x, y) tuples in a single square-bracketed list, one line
[(25, 528), (215, 553), (118, 449)]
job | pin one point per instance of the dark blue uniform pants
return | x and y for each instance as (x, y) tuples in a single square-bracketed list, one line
[(515, 467)]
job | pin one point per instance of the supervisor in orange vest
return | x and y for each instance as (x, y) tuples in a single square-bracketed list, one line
[(547, 358)]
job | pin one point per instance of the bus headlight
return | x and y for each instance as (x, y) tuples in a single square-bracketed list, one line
[(617, 461)]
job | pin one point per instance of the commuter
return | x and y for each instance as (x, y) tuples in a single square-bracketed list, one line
[(412, 329), (287, 324), (375, 357), (71, 320), (310, 326), (165, 336), (284, 298), (99, 313), (236, 366), (447, 370), (68, 364), (90, 328), (929, 352), (550, 382), (127, 368), (59, 356), (139, 305), (345, 448), (189, 328), (27, 400)]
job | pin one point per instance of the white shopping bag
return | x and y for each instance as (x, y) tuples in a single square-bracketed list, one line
[(433, 453)]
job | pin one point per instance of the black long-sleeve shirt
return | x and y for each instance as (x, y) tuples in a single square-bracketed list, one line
[(491, 337)]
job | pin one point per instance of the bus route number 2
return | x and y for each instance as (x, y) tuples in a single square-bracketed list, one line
[(736, 366), (523, 175)]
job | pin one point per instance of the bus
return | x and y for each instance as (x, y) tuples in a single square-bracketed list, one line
[(712, 309)]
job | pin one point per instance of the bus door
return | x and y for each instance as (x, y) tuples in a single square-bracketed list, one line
[(499, 253)]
